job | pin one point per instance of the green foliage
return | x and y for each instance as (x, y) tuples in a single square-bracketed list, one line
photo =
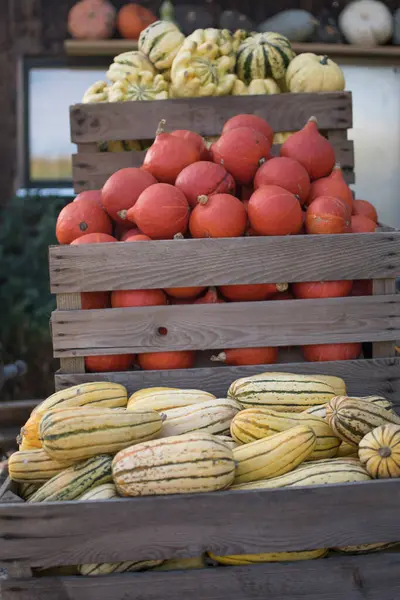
[(26, 231)]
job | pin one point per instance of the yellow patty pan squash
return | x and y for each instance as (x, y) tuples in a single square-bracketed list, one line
[(141, 85), (128, 63)]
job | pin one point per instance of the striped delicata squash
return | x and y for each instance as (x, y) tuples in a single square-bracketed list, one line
[(252, 559), (121, 567), (73, 434), (140, 85), (189, 463), (164, 398), (160, 42), (263, 55), (213, 416), (107, 491), (320, 411), (129, 63), (194, 74), (34, 466)]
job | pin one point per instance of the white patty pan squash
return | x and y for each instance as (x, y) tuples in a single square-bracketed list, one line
[(257, 87), (127, 63), (312, 73), (194, 75), (139, 86), (160, 42), (366, 23), (97, 92)]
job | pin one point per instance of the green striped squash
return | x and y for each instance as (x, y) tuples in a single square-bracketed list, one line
[(160, 42), (75, 481), (76, 434), (121, 567), (263, 55), (34, 466)]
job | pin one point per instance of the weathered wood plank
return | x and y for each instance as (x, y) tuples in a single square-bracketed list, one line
[(16, 412), (71, 302), (174, 263), (233, 325), (362, 377), (91, 170), (335, 578), (383, 349), (8, 436), (139, 120), (230, 522)]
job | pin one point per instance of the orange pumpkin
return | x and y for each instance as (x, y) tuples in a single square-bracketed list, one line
[(286, 173), (125, 233), (90, 195), (168, 155), (332, 185), (322, 289), (327, 215), (218, 216), (365, 208), (132, 19), (93, 300), (273, 210), (137, 237), (80, 218), (210, 297), (112, 362), (196, 139), (327, 352), (362, 224), (204, 178), (125, 298), (185, 292), (91, 20), (94, 238), (247, 356), (241, 151), (181, 359), (122, 189), (161, 212), (311, 149), (252, 121), (251, 292)]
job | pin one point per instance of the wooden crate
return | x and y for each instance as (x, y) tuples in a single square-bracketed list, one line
[(94, 123), (231, 522), (12, 416)]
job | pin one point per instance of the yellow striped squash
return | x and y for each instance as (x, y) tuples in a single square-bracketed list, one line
[(174, 564), (274, 455), (90, 395), (164, 398), (214, 416), (192, 462), (321, 472), (257, 423), (337, 383), (106, 491), (352, 418), (34, 466), (281, 391), (320, 411), (228, 440), (71, 483), (251, 559), (365, 548), (379, 451), (346, 449), (26, 490), (76, 434), (121, 567)]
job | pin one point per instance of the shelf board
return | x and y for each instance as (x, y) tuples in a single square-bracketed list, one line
[(115, 46)]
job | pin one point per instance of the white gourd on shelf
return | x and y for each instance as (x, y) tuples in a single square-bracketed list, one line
[(366, 23)]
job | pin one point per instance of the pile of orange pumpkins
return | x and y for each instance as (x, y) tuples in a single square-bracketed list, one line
[(232, 188)]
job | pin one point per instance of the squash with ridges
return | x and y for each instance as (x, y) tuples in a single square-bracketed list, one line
[(165, 398), (379, 451), (213, 416), (263, 55), (34, 466)]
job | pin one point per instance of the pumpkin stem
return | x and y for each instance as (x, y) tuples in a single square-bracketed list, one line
[(179, 236), (337, 167), (122, 214), (324, 60), (313, 120), (203, 199), (282, 287), (160, 128), (221, 357), (385, 452)]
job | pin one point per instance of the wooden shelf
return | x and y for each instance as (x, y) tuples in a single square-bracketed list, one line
[(116, 46)]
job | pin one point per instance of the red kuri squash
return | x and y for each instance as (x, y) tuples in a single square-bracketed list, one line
[(121, 191), (218, 216), (273, 210), (80, 218), (332, 185), (204, 178), (210, 297), (251, 292), (326, 352), (112, 362), (196, 139), (180, 359), (125, 298), (252, 121), (247, 356), (327, 214), (90, 195), (185, 292), (286, 173), (93, 300), (362, 224), (94, 238), (322, 289), (365, 208), (132, 19)]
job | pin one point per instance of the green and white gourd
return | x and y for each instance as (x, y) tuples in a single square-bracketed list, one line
[(160, 42), (263, 55)]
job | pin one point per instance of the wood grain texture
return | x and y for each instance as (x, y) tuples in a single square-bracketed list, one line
[(71, 302), (383, 349), (362, 377), (230, 522), (232, 325), (335, 578), (93, 169), (173, 263), (139, 120), (16, 412)]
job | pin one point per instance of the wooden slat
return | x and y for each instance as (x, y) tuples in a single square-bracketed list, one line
[(362, 377), (8, 436), (92, 170), (16, 412), (71, 302), (139, 120), (174, 263), (231, 522), (233, 325), (384, 349), (336, 578)]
